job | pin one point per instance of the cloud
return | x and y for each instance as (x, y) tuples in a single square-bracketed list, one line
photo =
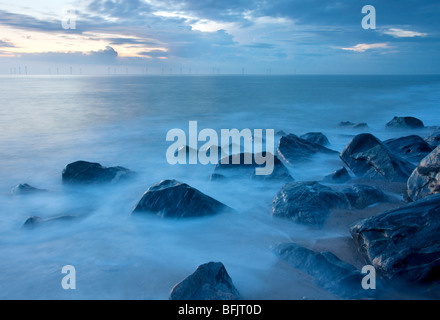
[(6, 44), (107, 53), (362, 47), (400, 33)]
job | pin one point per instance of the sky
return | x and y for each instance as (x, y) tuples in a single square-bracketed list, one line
[(219, 37)]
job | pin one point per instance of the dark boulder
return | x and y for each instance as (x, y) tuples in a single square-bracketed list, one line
[(425, 180), (316, 137), (23, 189), (327, 270), (405, 123), (244, 165), (339, 176), (293, 149), (307, 202), (83, 172), (210, 281), (370, 158), (434, 139), (412, 148), (173, 199), (362, 196), (403, 243)]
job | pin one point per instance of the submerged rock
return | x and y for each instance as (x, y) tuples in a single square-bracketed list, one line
[(362, 196), (216, 177), (244, 170), (370, 158), (83, 172), (293, 149), (327, 270), (425, 180), (307, 202), (23, 189), (403, 243), (405, 123), (412, 148), (173, 199), (339, 176), (34, 221), (352, 125), (210, 281), (316, 137)]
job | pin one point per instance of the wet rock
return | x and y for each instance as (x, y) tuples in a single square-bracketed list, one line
[(352, 125), (210, 281), (412, 148), (425, 180), (83, 172), (247, 164), (434, 139), (316, 137), (216, 149), (403, 243), (216, 177), (187, 151), (293, 149), (362, 196), (281, 133), (327, 270), (307, 202), (339, 176), (173, 199), (405, 123), (23, 189), (370, 158)]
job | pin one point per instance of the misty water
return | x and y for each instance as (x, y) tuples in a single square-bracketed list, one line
[(49, 121)]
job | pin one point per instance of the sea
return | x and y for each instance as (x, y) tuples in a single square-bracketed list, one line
[(47, 122)]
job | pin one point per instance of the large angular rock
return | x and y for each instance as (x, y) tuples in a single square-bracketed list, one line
[(403, 243), (362, 196), (307, 202), (370, 158), (412, 148), (327, 270), (293, 149), (210, 281), (243, 170), (434, 139), (316, 137), (173, 199), (83, 172), (339, 176), (425, 180), (405, 123)]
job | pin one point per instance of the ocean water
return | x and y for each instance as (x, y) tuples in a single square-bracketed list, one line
[(49, 121)]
